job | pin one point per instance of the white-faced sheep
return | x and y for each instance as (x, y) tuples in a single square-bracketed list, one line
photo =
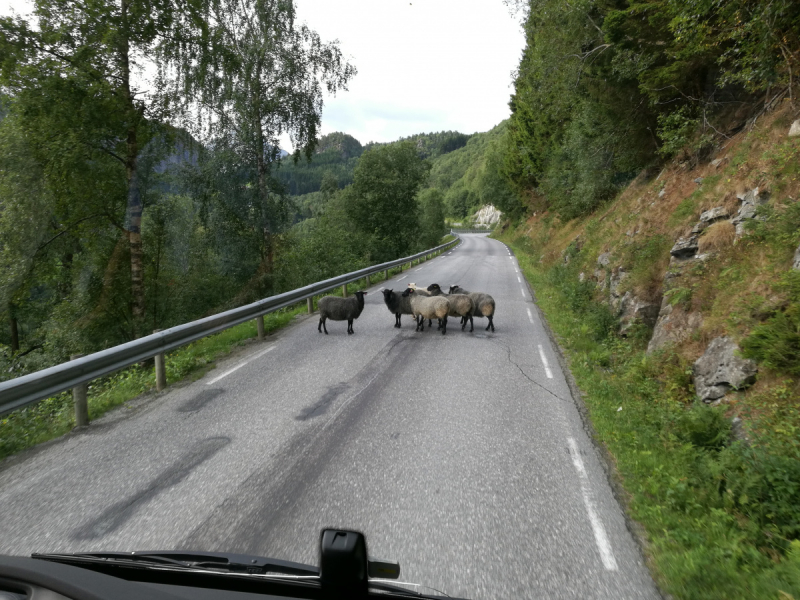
[(340, 309), (461, 305), (428, 307), (484, 304), (398, 304), (422, 292)]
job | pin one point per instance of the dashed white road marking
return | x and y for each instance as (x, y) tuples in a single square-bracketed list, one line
[(530, 316), (547, 370), (600, 536), (403, 277), (521, 289), (518, 279), (240, 365)]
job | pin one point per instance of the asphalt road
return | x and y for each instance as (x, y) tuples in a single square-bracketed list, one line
[(463, 456)]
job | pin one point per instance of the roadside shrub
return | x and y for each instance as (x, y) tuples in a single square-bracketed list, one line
[(704, 427), (763, 484), (776, 342)]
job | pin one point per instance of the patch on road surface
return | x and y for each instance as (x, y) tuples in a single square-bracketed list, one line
[(320, 407), (200, 400), (116, 515)]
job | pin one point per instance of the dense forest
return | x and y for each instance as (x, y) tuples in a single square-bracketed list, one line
[(606, 89)]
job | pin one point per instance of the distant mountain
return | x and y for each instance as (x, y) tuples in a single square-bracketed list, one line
[(338, 153)]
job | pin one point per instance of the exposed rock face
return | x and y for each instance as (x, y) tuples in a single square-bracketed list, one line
[(796, 263), (685, 247), (618, 275), (604, 259), (750, 201), (719, 370), (635, 310), (711, 216), (794, 130), (673, 326), (487, 215)]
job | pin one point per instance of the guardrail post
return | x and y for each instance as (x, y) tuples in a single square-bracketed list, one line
[(386, 275), (344, 290), (260, 327), (161, 369), (366, 279), (310, 303), (79, 399)]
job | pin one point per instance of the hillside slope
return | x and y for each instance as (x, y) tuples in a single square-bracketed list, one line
[(678, 307)]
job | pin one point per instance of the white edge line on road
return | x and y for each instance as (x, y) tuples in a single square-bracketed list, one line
[(522, 290), (547, 370), (530, 316), (403, 277), (600, 536), (518, 279), (240, 365)]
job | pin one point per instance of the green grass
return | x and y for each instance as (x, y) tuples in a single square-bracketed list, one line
[(722, 519), (53, 417)]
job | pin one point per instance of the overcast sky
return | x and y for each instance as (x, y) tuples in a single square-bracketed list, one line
[(424, 65)]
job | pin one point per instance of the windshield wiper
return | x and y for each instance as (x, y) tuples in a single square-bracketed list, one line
[(215, 561)]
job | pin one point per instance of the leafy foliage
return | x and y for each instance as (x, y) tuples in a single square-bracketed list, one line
[(382, 200), (606, 88)]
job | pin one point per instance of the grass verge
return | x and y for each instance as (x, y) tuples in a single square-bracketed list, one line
[(722, 517)]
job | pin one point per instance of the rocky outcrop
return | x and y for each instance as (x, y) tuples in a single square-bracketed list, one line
[(629, 308), (487, 215), (710, 216), (794, 130), (796, 263), (685, 247), (751, 200), (634, 310), (615, 296), (673, 326), (720, 370)]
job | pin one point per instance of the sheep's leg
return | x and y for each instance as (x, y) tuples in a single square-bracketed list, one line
[(397, 320), (444, 325), (430, 323), (471, 323), (322, 322), (463, 322), (491, 323), (420, 323), (350, 326)]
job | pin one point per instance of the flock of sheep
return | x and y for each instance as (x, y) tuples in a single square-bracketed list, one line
[(431, 303)]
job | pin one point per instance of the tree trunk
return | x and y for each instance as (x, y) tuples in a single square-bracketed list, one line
[(134, 205), (12, 317), (263, 192)]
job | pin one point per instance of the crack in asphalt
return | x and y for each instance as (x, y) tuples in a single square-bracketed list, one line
[(524, 374)]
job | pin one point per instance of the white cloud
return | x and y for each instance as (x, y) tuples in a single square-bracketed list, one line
[(424, 65)]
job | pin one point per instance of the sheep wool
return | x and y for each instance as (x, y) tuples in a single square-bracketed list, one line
[(428, 307), (484, 304), (461, 305), (340, 309), (397, 305)]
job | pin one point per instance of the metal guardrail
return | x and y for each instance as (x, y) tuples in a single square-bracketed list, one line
[(457, 230), (28, 389)]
